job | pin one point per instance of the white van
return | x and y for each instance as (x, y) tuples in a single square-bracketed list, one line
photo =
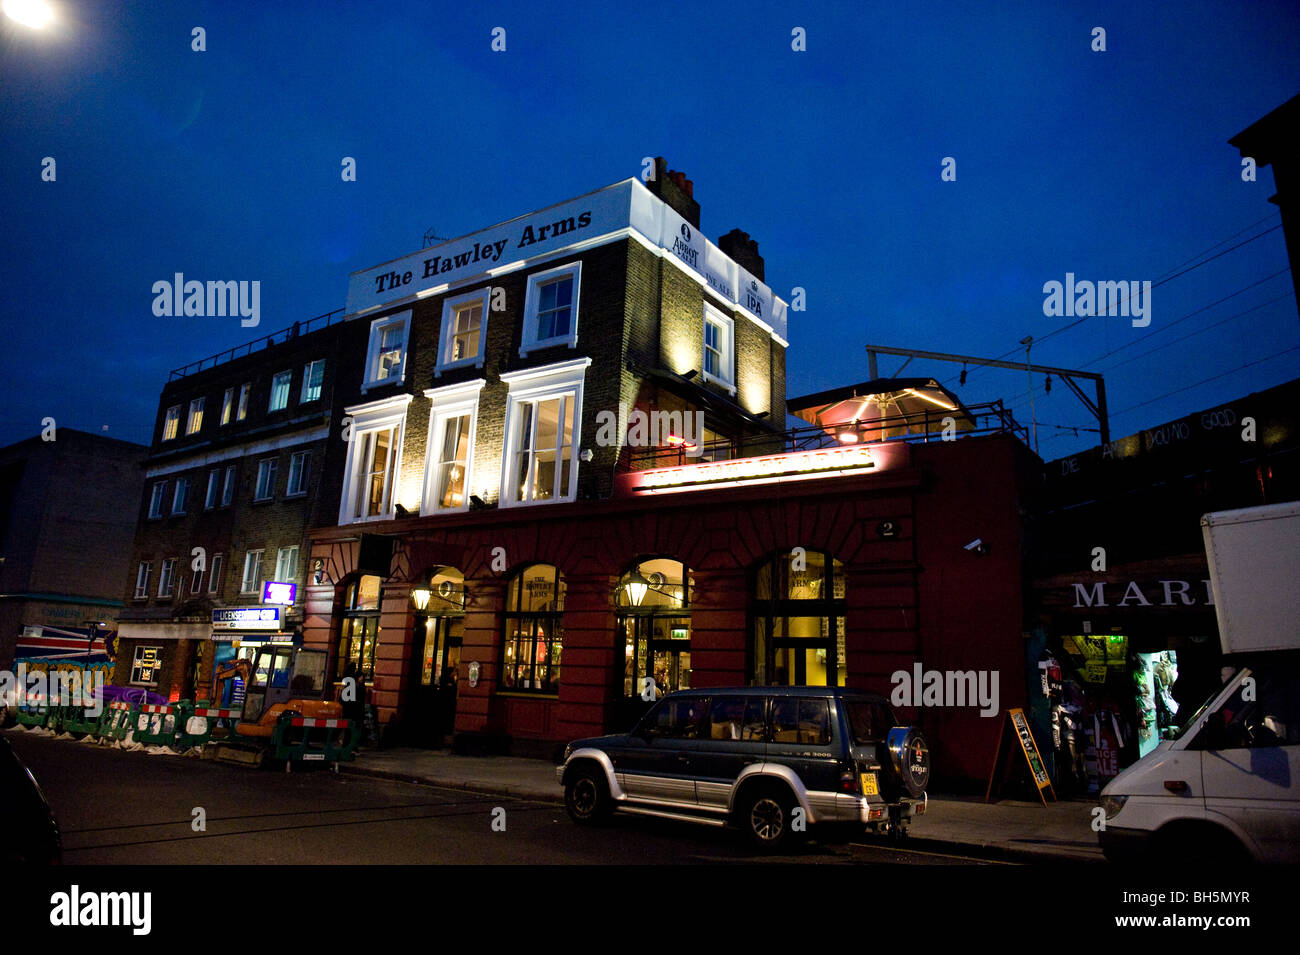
[(1227, 786)]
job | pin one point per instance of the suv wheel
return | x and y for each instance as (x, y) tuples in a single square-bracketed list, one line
[(765, 816), (585, 796)]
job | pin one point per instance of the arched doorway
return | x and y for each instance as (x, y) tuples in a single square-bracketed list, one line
[(653, 599), (434, 668), (797, 613)]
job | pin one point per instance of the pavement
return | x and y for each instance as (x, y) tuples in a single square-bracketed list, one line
[(1010, 830)]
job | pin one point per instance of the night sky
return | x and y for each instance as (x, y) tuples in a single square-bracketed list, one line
[(225, 165)]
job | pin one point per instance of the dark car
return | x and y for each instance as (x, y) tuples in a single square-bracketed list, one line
[(28, 831), (774, 762)]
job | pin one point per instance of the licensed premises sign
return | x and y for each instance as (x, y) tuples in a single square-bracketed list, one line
[(248, 618)]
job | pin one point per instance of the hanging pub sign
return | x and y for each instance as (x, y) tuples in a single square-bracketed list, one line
[(1016, 734), (247, 618)]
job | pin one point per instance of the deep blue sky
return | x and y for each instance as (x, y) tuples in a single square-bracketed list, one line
[(225, 165)]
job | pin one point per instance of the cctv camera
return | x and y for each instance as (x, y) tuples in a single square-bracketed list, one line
[(977, 546)]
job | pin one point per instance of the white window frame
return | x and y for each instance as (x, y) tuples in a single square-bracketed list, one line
[(214, 574), (194, 420), (181, 496), (447, 336), (306, 381), (540, 384), (285, 572), (227, 406), (262, 468), (172, 423), (196, 582), (714, 315), (228, 487), (450, 401), (167, 578), (367, 419), (156, 496), (287, 377), (372, 351), (142, 575), (304, 472), (212, 497), (245, 393), (530, 341), (249, 563)]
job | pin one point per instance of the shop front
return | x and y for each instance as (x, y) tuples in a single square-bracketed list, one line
[(1123, 657)]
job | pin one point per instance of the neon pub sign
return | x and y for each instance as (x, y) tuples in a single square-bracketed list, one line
[(769, 468)]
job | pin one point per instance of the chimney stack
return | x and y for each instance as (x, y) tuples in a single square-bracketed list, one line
[(743, 251), (675, 189)]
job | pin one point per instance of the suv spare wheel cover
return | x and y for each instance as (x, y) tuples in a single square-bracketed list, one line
[(910, 758)]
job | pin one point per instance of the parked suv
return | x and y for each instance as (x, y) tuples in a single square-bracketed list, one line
[(750, 757)]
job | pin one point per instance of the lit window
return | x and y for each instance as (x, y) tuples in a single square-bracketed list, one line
[(142, 579), (452, 420), (156, 499), (144, 667), (195, 420), (252, 573), (719, 348), (551, 308), (298, 468), (265, 480), (214, 576), (181, 496), (228, 488), (359, 634), (286, 564), (542, 417), (244, 391), (214, 489), (370, 477), (533, 630), (227, 405), (386, 356), (280, 390), (463, 320), (167, 578), (172, 424), (312, 378)]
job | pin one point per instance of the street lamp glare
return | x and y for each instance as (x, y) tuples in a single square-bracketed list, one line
[(32, 13)]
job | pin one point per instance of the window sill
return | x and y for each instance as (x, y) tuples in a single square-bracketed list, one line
[(367, 386), (572, 342), (528, 694), (476, 362), (728, 385)]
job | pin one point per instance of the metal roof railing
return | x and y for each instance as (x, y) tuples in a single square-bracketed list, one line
[(266, 341), (987, 418)]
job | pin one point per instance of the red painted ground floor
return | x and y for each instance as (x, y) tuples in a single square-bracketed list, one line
[(553, 622)]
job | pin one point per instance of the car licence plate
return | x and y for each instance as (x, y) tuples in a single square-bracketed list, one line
[(869, 785)]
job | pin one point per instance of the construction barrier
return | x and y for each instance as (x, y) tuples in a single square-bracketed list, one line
[(35, 711), (197, 729), (119, 719), (307, 739), (157, 725), (81, 719)]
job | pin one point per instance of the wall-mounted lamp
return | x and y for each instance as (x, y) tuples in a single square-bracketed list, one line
[(636, 587)]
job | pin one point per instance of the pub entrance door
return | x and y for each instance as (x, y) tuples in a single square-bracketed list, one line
[(435, 671)]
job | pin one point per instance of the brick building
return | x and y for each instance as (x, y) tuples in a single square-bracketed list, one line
[(66, 523), (570, 475), (235, 475)]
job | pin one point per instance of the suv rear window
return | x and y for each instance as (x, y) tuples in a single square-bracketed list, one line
[(737, 718), (868, 722), (801, 721)]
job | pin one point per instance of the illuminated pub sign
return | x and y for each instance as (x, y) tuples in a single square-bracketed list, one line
[(247, 618), (794, 466), (276, 592)]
